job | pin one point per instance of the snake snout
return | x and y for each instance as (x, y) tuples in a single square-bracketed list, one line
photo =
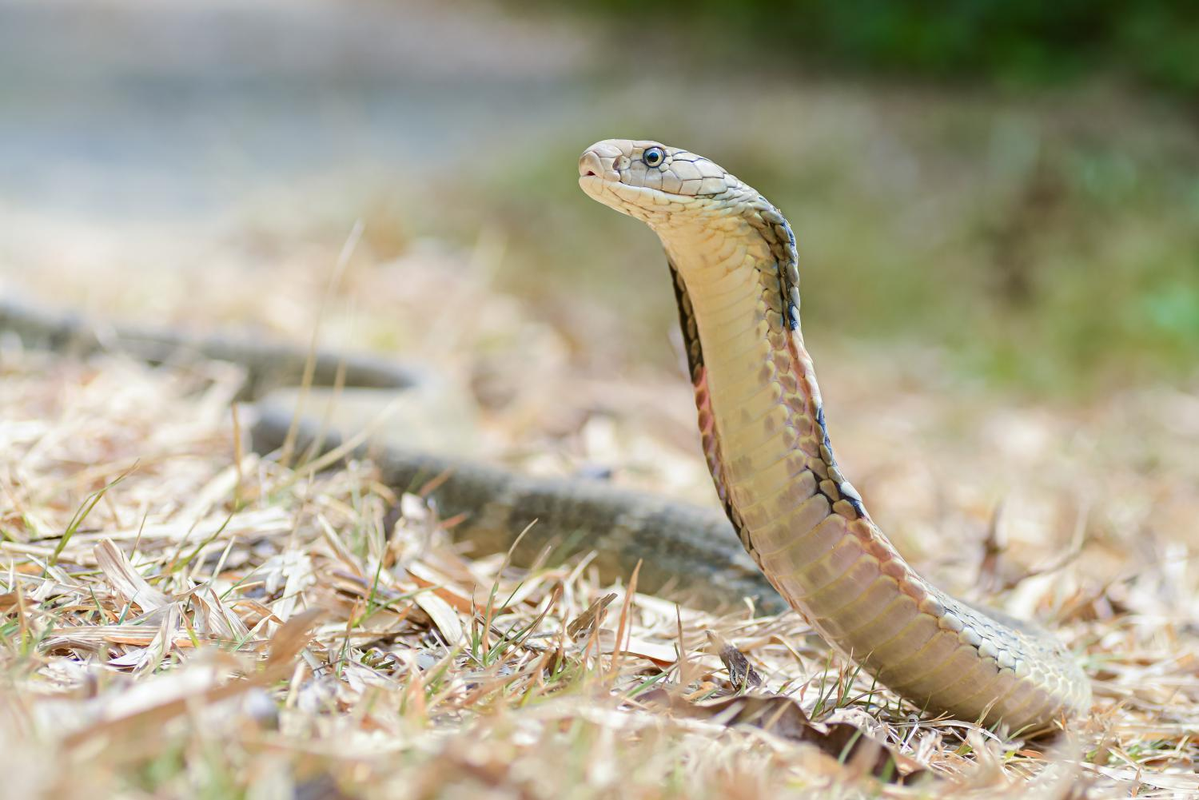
[(590, 165)]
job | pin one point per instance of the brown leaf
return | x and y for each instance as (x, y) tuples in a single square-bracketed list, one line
[(581, 626), (429, 578), (292, 637), (783, 717)]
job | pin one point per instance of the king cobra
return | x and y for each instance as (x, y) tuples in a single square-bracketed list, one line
[(733, 259)]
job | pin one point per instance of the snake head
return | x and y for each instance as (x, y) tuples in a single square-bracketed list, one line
[(653, 182)]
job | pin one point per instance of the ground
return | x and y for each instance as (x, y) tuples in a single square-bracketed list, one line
[(185, 617), (999, 295)]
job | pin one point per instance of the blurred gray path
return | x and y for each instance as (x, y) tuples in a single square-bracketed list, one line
[(116, 109)]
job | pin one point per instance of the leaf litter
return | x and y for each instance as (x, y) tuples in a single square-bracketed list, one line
[(179, 616)]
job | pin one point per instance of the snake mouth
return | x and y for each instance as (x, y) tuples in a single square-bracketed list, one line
[(592, 184), (633, 201), (591, 165)]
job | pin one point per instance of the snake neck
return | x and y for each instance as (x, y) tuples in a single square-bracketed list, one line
[(760, 411), (764, 433)]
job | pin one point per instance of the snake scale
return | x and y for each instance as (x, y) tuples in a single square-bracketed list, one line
[(733, 259)]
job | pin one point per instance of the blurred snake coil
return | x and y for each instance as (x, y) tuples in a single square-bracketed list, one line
[(733, 259)]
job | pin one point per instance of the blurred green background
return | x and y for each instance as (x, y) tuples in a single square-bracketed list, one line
[(1015, 184), (1012, 42)]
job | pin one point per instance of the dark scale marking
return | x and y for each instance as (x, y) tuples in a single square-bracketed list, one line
[(776, 232), (831, 462), (823, 427)]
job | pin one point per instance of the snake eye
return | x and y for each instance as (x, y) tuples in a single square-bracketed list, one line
[(653, 156)]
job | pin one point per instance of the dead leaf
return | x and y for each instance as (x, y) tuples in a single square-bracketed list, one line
[(292, 637), (581, 626), (127, 581), (443, 616), (783, 717)]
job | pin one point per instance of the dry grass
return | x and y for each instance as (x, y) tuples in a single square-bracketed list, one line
[(180, 617)]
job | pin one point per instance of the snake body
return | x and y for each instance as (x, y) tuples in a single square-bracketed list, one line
[(733, 259)]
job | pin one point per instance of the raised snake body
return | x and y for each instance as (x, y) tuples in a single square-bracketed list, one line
[(761, 418)]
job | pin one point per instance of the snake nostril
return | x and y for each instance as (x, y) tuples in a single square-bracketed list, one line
[(590, 165)]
